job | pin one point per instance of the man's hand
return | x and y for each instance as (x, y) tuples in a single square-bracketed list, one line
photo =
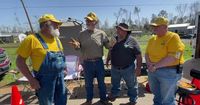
[(34, 84), (138, 71), (112, 41), (65, 71), (152, 67), (74, 43), (107, 63)]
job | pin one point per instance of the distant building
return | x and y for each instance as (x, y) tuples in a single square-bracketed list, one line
[(6, 38), (183, 29), (136, 33), (191, 29), (9, 37)]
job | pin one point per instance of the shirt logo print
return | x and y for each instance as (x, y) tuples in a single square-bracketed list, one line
[(163, 43)]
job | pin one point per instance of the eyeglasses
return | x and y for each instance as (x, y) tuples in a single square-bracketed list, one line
[(89, 21)]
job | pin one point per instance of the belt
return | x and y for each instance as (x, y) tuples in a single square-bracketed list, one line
[(93, 59), (169, 67), (177, 67), (124, 67)]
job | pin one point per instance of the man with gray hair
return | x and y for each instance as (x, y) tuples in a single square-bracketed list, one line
[(48, 61), (91, 42)]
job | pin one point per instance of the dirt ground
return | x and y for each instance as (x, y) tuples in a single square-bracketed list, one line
[(76, 92)]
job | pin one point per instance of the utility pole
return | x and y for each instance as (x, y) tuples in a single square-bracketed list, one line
[(27, 16), (197, 44)]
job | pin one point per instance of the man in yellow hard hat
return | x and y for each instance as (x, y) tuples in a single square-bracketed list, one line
[(90, 43), (164, 55), (48, 62)]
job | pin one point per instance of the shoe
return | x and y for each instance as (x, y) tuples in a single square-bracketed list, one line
[(105, 102), (87, 103), (111, 98), (129, 103)]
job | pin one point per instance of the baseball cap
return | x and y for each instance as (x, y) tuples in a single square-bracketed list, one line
[(49, 17), (160, 21), (92, 16)]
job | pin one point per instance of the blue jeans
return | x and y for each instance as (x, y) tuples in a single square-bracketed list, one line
[(163, 84), (128, 74), (94, 69)]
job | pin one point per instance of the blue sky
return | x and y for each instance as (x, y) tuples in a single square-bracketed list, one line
[(105, 9)]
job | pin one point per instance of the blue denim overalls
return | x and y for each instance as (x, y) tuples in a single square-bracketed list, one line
[(51, 77)]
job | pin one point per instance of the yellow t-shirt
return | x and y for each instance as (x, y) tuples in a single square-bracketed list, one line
[(31, 47), (168, 45)]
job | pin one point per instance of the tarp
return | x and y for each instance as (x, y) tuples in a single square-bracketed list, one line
[(4, 60)]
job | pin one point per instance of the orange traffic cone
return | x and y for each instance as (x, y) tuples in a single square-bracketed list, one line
[(16, 98)]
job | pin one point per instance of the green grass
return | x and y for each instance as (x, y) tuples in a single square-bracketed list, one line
[(188, 51), (11, 51), (143, 43), (12, 55), (144, 39)]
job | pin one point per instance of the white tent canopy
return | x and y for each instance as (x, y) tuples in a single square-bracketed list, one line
[(21, 37)]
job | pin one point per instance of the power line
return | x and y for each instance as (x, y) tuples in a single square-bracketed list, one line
[(89, 6)]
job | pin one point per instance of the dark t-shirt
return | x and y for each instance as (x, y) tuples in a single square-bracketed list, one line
[(124, 52)]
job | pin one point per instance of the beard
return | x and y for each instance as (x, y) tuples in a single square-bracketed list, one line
[(91, 28), (54, 32)]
